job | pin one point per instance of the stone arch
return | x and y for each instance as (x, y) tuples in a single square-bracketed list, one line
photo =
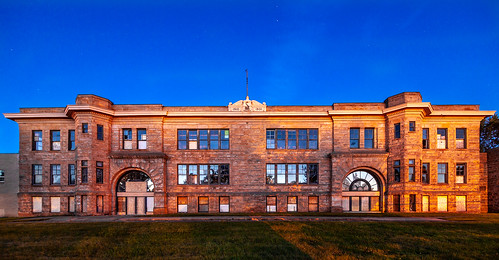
[(362, 190), (133, 191)]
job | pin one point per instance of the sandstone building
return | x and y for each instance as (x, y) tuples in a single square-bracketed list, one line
[(96, 157)]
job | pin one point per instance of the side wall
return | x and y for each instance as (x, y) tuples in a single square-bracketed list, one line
[(493, 180), (9, 163)]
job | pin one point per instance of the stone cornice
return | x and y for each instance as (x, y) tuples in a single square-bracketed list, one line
[(14, 116)]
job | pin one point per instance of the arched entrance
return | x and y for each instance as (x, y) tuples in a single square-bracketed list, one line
[(361, 192), (135, 194)]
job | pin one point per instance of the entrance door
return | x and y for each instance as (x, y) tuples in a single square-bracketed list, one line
[(361, 192), (134, 194)]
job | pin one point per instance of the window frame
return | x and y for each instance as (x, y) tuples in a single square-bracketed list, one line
[(367, 140), (55, 170), (71, 173), (426, 141), (444, 138), (71, 140), (397, 128), (222, 142), (412, 167), (54, 139), (412, 126), (2, 176), (272, 169), (275, 136), (427, 173), (99, 172), (464, 138), (36, 145), (139, 138), (444, 174), (127, 138), (84, 171), (464, 173), (352, 137), (207, 204), (396, 171), (84, 128), (316, 203), (100, 132), (412, 202), (220, 198), (182, 198), (268, 206), (291, 204), (222, 173), (36, 170)]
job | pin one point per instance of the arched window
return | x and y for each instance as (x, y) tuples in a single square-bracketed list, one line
[(134, 176), (360, 181)]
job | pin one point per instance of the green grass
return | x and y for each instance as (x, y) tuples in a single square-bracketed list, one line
[(468, 236)]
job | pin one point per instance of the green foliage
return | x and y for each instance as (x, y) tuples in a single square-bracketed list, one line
[(489, 133)]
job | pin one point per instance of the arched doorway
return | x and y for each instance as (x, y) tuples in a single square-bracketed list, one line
[(135, 194), (361, 192)]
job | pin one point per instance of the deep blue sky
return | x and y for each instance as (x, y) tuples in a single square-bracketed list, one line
[(195, 53)]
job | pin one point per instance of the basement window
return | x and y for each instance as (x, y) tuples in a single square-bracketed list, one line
[(224, 204), (182, 204), (313, 204), (292, 204), (271, 204), (203, 204)]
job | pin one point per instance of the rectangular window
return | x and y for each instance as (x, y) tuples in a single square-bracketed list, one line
[(84, 171), (55, 204), (100, 132), (141, 139), (37, 144), (397, 130), (291, 138), (2, 176), (99, 204), (127, 139), (412, 126), (71, 140), (426, 138), (84, 199), (396, 171), (55, 140), (182, 204), (412, 170), (71, 204), (84, 128), (442, 138), (354, 137), (442, 203), (224, 203), (442, 173), (99, 172), (37, 204), (461, 138), (71, 174), (287, 173), (460, 203), (213, 139), (203, 204), (55, 174), (425, 203), (36, 173), (292, 204), (313, 204), (461, 173), (369, 138), (425, 173), (271, 204), (213, 174), (412, 202), (396, 203)]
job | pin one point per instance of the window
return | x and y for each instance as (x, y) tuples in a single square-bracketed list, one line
[(71, 204), (369, 138), (412, 126), (426, 138), (84, 199), (461, 138), (442, 203), (396, 203), (442, 173), (396, 171), (442, 138), (84, 171), (425, 173), (203, 204), (460, 203), (55, 174), (354, 137), (313, 204), (412, 167), (36, 173), (99, 172), (224, 204), (425, 203), (2, 176), (204, 174), (412, 202), (71, 140), (127, 139), (461, 173), (37, 204), (71, 174), (212, 139), (55, 204), (100, 132), (292, 138), (271, 204), (182, 204), (292, 204), (99, 204), (288, 173), (84, 128), (37, 140), (397, 130), (55, 140), (141, 138)]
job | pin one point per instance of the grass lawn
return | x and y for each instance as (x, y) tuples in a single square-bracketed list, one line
[(467, 237)]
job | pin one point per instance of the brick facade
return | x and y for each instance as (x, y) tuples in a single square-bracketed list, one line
[(493, 180), (371, 148)]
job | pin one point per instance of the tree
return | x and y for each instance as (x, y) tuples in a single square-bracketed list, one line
[(489, 133)]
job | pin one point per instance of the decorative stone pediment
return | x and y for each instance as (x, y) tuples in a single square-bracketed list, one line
[(248, 105)]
